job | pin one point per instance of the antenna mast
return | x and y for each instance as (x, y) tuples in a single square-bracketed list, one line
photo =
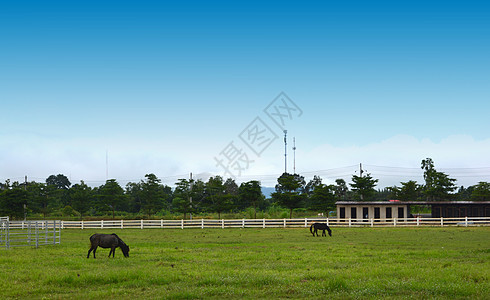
[(294, 155), (285, 152)]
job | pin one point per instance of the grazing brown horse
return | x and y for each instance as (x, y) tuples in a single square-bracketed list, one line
[(320, 226), (107, 241)]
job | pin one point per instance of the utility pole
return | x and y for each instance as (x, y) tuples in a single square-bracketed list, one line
[(25, 205), (294, 155), (285, 152), (360, 175), (190, 197)]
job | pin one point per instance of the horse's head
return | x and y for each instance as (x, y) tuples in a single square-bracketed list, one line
[(125, 249)]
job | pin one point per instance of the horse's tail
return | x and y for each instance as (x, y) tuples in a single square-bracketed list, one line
[(311, 228)]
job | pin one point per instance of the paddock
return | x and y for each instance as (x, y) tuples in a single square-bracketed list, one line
[(29, 233)]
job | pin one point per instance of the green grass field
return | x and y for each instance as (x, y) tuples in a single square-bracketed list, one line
[(356, 263)]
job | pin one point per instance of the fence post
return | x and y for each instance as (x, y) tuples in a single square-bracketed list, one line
[(182, 223), (46, 233), (466, 221), (372, 222), (418, 220), (306, 222), (37, 235), (222, 223), (442, 222), (82, 224), (328, 224), (54, 232), (243, 223), (102, 224), (29, 233), (394, 222), (263, 223), (142, 226), (350, 222), (161, 223), (284, 222), (202, 223)]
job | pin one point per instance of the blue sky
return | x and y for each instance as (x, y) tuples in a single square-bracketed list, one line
[(91, 89)]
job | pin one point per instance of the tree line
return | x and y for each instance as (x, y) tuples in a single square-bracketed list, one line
[(217, 195)]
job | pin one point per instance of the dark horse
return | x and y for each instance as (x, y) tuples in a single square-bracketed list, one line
[(320, 226), (108, 241)]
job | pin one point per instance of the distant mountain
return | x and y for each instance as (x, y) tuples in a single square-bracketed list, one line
[(267, 191)]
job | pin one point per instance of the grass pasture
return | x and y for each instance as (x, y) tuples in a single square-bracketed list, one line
[(356, 263)]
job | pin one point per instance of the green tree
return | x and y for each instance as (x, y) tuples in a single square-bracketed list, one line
[(187, 196), (323, 198), (133, 192), (409, 191), (81, 196), (60, 181), (57, 191), (341, 189), (251, 193), (290, 191), (153, 194), (363, 186), (13, 201), (481, 192), (438, 186), (111, 196), (464, 194), (36, 197), (215, 197)]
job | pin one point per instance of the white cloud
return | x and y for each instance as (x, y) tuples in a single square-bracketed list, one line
[(38, 157)]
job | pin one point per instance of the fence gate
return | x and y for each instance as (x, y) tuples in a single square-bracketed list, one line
[(29, 233)]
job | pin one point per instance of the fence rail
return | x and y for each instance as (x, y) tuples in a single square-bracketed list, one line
[(29, 233), (267, 223)]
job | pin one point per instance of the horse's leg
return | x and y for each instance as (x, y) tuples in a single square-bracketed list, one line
[(323, 233), (112, 249), (89, 250), (316, 231), (95, 250)]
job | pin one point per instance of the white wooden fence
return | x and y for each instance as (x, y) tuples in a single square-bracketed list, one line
[(268, 223), (29, 233)]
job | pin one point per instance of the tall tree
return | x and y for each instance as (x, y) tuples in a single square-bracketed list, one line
[(111, 196), (133, 192), (182, 197), (409, 191), (323, 198), (341, 189), (363, 186), (251, 193), (481, 192), (438, 186), (60, 181), (215, 197), (153, 194), (13, 202), (290, 191), (58, 189), (81, 197)]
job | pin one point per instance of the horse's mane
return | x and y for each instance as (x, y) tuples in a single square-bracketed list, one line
[(119, 239)]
